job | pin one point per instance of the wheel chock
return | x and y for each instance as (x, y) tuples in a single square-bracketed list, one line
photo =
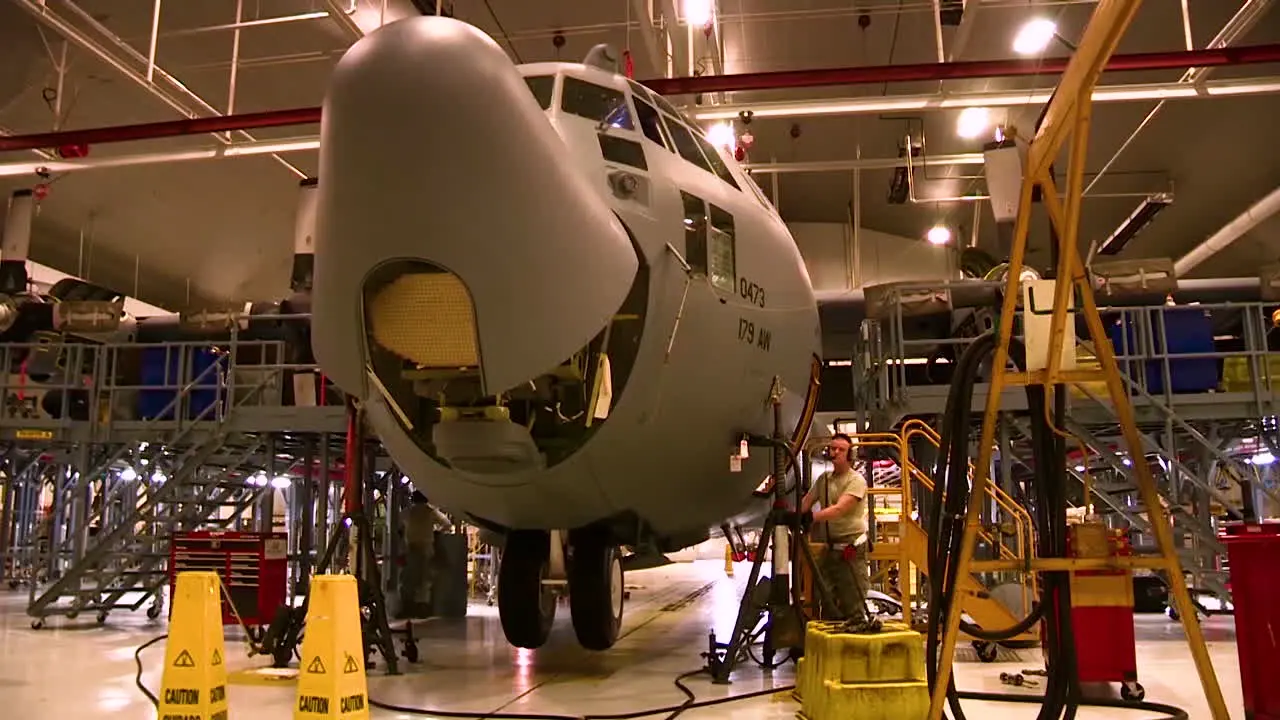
[(331, 673), (728, 560), (193, 685)]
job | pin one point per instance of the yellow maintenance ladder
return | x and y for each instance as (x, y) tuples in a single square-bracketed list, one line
[(901, 542)]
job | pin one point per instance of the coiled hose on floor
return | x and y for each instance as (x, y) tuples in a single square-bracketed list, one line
[(946, 524)]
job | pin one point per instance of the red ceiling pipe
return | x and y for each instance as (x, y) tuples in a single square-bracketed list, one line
[(686, 85), (957, 71), (168, 128)]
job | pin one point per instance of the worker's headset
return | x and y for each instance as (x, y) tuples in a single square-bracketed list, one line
[(850, 456)]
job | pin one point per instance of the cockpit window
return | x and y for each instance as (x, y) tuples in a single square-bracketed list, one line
[(759, 192), (667, 107), (541, 86), (591, 101), (686, 145), (639, 90), (717, 163), (649, 122)]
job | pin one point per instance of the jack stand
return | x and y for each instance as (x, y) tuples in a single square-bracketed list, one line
[(286, 630), (772, 597)]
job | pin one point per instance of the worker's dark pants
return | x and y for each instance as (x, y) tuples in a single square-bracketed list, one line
[(851, 581), (416, 581)]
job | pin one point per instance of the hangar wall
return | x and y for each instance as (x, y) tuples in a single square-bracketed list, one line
[(828, 252)]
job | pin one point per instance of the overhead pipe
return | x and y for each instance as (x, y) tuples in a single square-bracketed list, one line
[(682, 85), (989, 99), (1232, 231), (48, 163), (972, 70)]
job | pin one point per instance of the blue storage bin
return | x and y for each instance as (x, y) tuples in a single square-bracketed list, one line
[(161, 366), (1188, 330)]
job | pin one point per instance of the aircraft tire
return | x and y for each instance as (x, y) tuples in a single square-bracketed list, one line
[(526, 607), (596, 591)]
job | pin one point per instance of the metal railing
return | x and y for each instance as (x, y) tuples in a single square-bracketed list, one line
[(910, 511)]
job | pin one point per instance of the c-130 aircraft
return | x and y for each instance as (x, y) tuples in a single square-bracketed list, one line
[(561, 307)]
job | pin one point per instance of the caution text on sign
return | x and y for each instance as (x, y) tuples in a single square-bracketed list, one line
[(331, 681), (194, 683)]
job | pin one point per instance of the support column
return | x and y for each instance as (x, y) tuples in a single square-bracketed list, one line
[(307, 517), (323, 488), (264, 513)]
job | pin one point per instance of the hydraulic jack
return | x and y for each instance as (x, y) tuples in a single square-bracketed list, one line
[(770, 598)]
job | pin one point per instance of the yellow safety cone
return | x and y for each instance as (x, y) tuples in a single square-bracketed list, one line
[(331, 677), (728, 559), (193, 685)]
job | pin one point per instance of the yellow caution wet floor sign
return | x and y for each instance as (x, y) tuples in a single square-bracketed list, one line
[(194, 681), (332, 681)]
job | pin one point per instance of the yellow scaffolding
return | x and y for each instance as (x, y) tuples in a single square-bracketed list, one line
[(1068, 115)]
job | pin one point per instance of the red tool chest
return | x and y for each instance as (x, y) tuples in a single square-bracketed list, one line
[(1102, 612), (253, 568), (1254, 552)]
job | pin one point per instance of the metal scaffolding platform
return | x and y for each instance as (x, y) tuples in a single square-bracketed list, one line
[(1206, 415), (111, 449)]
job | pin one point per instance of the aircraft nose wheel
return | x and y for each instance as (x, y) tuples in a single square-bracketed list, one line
[(596, 591), (526, 607)]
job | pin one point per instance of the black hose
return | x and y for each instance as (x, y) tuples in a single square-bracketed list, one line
[(671, 711), (946, 524), (137, 659), (1171, 712)]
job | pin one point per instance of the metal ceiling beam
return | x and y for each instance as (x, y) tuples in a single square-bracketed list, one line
[(850, 106), (676, 45), (653, 35), (1237, 27), (42, 13), (358, 18), (934, 71), (338, 14)]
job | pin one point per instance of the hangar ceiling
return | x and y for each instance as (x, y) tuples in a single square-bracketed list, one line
[(213, 230)]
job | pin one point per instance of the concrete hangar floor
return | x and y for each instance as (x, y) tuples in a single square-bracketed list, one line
[(77, 669)]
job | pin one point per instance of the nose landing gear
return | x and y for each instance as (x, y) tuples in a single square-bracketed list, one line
[(532, 576)]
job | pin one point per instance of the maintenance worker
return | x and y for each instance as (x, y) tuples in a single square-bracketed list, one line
[(421, 521), (841, 524)]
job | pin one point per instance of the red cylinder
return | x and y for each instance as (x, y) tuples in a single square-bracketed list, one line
[(1254, 552)]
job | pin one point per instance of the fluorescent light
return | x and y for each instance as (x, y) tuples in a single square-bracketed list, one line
[(1262, 458), (1134, 224), (281, 482), (973, 122), (1034, 37), (128, 474), (1079, 468), (939, 235), (722, 135), (698, 12)]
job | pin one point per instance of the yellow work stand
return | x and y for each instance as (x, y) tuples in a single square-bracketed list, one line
[(1068, 115)]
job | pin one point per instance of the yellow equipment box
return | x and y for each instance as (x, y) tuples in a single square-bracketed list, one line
[(872, 677)]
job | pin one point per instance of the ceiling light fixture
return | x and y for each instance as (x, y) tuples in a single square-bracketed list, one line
[(722, 135), (939, 235), (973, 122), (1034, 36), (698, 12)]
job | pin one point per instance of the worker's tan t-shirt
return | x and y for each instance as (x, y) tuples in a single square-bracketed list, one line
[(850, 527)]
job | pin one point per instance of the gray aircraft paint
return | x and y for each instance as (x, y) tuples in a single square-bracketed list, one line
[(425, 114)]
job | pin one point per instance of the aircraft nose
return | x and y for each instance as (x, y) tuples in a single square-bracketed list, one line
[(452, 223)]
